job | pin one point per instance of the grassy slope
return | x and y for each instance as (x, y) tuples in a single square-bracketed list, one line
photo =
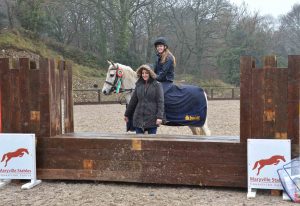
[(15, 41)]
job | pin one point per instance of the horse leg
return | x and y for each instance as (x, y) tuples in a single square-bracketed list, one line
[(128, 97), (195, 130), (205, 129), (200, 131)]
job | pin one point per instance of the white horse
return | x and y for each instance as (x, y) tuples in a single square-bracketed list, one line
[(122, 78)]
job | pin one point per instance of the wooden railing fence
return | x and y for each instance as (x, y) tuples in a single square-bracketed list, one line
[(95, 96)]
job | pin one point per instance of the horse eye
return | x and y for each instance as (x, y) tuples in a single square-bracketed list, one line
[(112, 75)]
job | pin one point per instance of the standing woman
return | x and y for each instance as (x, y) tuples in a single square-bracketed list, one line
[(165, 62), (147, 102)]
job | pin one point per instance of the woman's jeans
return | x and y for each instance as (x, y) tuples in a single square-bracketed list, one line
[(151, 130)]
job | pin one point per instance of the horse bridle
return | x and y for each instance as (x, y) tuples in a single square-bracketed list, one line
[(113, 85)]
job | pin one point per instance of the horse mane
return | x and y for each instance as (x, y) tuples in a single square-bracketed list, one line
[(130, 76), (128, 71)]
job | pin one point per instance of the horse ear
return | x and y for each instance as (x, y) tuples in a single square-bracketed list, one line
[(109, 62)]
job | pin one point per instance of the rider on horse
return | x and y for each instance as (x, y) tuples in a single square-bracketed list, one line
[(165, 62)]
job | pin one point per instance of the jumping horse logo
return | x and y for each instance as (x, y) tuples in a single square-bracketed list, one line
[(18, 153), (274, 160)]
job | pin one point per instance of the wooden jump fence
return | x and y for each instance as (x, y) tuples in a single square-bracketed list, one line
[(270, 99), (36, 96)]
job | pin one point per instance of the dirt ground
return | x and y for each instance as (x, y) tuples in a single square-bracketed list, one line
[(223, 120)]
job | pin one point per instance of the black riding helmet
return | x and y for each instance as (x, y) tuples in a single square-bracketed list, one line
[(161, 40)]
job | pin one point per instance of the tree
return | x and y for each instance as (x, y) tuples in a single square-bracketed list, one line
[(290, 30), (197, 28), (247, 35), (10, 7), (119, 14), (31, 14)]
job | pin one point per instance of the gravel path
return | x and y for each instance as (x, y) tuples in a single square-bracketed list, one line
[(223, 120)]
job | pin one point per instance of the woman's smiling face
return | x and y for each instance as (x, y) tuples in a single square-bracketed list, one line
[(160, 48), (145, 74)]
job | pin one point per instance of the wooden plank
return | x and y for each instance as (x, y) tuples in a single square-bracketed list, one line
[(69, 174), (168, 161), (24, 95), (61, 65), (57, 100), (0, 107), (281, 105), (15, 101), (6, 100), (45, 112), (246, 65), (294, 99), (258, 100), (269, 104), (52, 98), (147, 144), (150, 168), (63, 154), (154, 169), (131, 176), (68, 100), (34, 101)]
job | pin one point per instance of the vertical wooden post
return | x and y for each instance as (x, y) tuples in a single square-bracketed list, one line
[(5, 93), (45, 113), (34, 98), (61, 66), (257, 105), (269, 68), (281, 103), (246, 65), (52, 98), (0, 106), (99, 95), (69, 123), (15, 96), (294, 103), (57, 99), (25, 95), (1, 62)]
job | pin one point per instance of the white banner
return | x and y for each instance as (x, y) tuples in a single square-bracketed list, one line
[(17, 153), (265, 156)]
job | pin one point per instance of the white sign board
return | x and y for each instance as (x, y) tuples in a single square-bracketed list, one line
[(265, 156), (17, 155)]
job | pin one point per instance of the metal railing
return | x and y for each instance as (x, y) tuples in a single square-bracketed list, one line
[(95, 96)]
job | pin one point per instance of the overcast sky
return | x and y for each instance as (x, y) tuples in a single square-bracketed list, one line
[(272, 7)]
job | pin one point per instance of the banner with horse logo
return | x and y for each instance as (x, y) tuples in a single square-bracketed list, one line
[(265, 156), (17, 155)]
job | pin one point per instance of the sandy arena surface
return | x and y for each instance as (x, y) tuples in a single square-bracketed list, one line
[(223, 120)]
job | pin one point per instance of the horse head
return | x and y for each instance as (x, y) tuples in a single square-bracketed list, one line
[(120, 79), (111, 78)]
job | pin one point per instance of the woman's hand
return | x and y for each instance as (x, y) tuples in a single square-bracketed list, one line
[(158, 122), (126, 119)]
